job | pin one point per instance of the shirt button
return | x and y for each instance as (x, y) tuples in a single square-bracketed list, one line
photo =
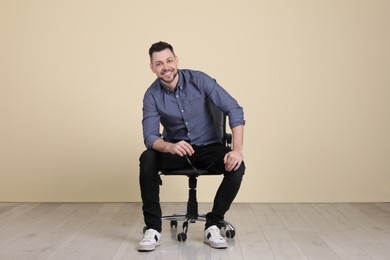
[(182, 110), (186, 123), (188, 133), (177, 95)]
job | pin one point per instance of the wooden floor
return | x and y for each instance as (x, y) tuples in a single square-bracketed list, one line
[(264, 231)]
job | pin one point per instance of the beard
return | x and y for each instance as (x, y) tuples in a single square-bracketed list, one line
[(168, 81)]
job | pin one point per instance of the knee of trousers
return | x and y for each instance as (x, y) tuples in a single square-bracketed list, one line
[(148, 162), (239, 173)]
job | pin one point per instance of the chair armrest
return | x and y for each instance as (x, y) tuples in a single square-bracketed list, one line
[(228, 140)]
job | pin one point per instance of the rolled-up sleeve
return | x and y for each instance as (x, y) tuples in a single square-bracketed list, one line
[(236, 117), (226, 103), (150, 121)]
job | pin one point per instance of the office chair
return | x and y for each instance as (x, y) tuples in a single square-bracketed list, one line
[(192, 215)]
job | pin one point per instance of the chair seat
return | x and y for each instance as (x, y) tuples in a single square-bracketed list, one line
[(189, 172)]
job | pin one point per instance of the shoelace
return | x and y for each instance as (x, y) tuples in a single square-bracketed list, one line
[(215, 234), (149, 237)]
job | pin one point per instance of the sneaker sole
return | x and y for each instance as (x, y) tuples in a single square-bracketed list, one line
[(147, 248), (216, 246)]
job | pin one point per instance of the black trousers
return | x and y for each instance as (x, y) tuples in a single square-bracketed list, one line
[(152, 162)]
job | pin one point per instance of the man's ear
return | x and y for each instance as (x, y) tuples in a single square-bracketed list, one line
[(151, 67)]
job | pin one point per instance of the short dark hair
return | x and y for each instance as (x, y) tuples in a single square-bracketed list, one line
[(159, 46)]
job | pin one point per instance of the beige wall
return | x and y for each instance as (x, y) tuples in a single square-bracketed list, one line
[(312, 76)]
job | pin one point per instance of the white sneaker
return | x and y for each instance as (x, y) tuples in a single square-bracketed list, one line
[(212, 236), (150, 242)]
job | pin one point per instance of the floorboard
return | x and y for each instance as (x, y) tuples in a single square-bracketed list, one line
[(102, 231)]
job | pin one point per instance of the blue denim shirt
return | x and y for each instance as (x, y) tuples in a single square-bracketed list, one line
[(183, 113)]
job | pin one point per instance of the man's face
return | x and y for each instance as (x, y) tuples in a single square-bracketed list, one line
[(164, 64)]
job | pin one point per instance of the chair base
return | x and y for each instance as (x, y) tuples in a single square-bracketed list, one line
[(192, 214), (228, 228)]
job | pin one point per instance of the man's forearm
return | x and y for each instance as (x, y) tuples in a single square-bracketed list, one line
[(181, 148), (161, 146), (238, 138)]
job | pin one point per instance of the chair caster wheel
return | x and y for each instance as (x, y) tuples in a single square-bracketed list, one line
[(182, 237), (173, 223), (230, 233)]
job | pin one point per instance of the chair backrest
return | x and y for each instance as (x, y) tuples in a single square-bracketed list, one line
[(219, 119)]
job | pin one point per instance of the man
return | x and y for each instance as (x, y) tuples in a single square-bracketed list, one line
[(177, 99)]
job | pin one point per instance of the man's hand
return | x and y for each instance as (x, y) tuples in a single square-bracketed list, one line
[(181, 148), (233, 160)]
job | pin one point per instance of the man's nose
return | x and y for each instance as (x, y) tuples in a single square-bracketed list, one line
[(165, 66)]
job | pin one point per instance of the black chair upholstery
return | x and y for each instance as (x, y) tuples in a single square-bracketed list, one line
[(192, 215)]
